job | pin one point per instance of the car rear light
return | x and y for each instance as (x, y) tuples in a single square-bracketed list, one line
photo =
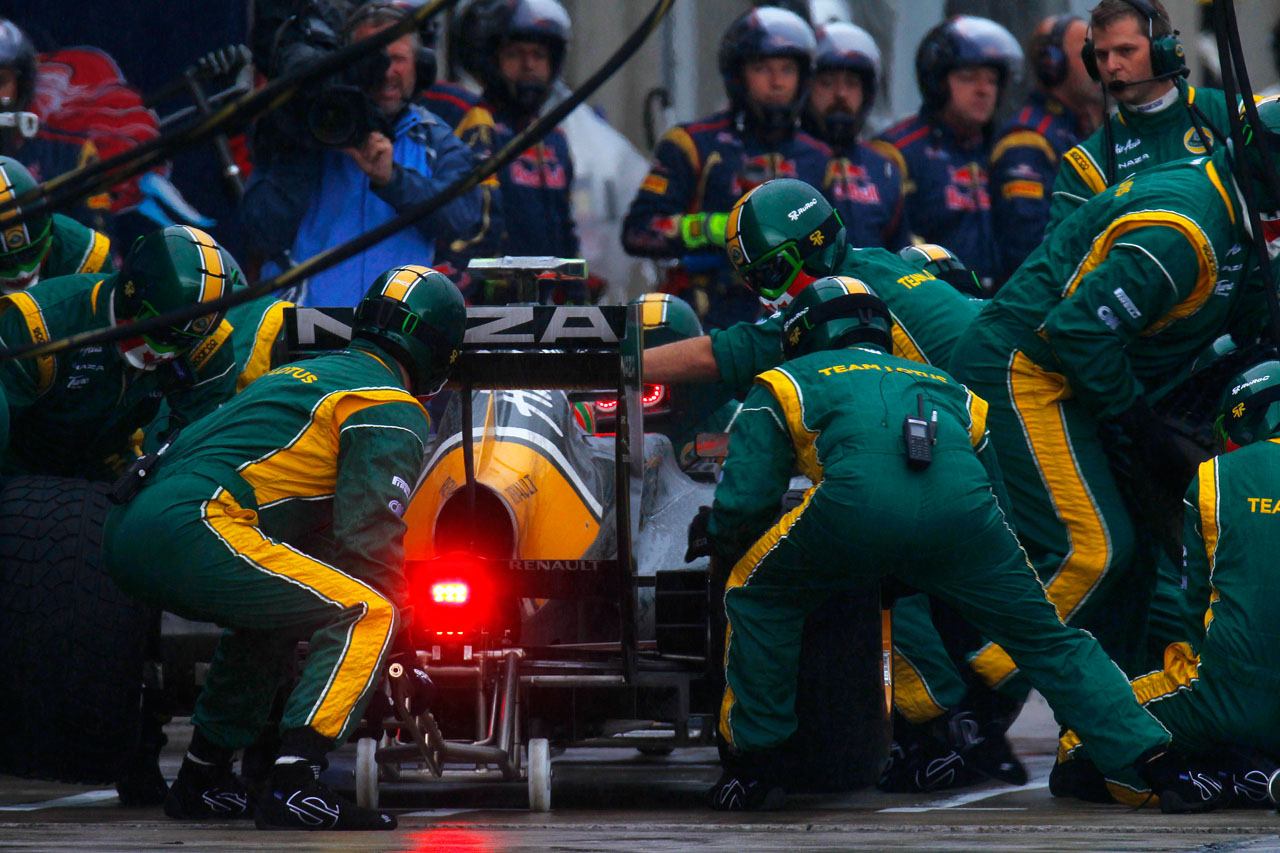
[(452, 592), (651, 396)]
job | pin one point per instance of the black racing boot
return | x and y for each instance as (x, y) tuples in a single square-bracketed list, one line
[(294, 798), (208, 791), (919, 762), (206, 788), (984, 747), (750, 782), (1079, 778), (1183, 785), (1245, 774)]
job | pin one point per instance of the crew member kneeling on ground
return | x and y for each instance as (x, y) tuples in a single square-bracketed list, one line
[(334, 445), (1217, 695), (923, 510)]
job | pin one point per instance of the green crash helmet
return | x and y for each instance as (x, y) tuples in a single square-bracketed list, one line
[(780, 237), (1250, 409), (26, 241), (419, 318), (833, 312), (166, 271), (666, 319), (941, 262)]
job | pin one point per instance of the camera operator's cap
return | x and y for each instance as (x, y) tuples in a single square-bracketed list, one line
[(419, 318), (166, 271), (26, 239)]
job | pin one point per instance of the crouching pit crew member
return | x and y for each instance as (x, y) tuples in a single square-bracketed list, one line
[(315, 458), (44, 246), (900, 461), (73, 413), (1217, 695)]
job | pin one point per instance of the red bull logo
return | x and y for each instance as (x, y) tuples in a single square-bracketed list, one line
[(539, 167), (763, 167), (966, 188)]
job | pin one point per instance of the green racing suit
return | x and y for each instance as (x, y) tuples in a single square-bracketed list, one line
[(76, 249), (75, 413), (929, 317), (1142, 140), (1121, 297), (838, 415), (286, 505), (1223, 688)]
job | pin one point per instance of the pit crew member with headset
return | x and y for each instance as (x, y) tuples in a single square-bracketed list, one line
[(1134, 54), (1065, 353)]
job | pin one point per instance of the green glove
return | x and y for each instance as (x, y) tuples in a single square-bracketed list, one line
[(700, 230)]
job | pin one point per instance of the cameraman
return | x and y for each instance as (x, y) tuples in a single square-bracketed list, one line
[(304, 198)]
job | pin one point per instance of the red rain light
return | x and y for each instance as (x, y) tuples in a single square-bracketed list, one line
[(651, 396), (450, 592)]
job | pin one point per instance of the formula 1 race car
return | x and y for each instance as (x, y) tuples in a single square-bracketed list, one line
[(552, 606)]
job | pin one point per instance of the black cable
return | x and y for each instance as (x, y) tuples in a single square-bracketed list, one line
[(330, 257), (69, 187), (1235, 84)]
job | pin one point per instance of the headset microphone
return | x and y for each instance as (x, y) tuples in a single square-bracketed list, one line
[(1120, 85)]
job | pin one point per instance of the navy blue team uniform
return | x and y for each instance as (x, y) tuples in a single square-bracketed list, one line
[(865, 187), (472, 122), (1024, 163), (948, 199), (706, 166)]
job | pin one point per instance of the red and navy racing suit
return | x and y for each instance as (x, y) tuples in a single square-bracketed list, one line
[(1024, 163), (472, 122), (948, 201), (705, 167), (865, 187)]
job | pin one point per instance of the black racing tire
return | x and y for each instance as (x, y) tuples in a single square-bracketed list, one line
[(844, 731), (72, 644)]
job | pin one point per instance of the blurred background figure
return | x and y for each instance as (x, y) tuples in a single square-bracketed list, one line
[(963, 65), (863, 184), (1064, 107), (701, 168)]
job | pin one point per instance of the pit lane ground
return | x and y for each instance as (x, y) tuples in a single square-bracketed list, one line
[(618, 800)]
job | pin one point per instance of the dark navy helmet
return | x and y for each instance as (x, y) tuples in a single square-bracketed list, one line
[(17, 52), (844, 47), (485, 25), (761, 34), (965, 41)]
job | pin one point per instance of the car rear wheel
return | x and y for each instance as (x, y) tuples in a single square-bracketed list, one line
[(72, 644)]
